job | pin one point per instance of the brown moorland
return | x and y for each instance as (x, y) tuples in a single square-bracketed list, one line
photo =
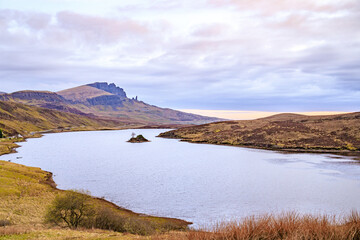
[(332, 133)]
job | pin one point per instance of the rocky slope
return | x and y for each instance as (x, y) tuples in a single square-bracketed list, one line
[(107, 101), (283, 131)]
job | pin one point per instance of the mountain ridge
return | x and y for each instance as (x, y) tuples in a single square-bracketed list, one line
[(107, 101)]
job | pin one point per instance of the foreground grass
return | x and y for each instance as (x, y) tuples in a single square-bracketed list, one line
[(286, 226), (289, 226), (21, 233)]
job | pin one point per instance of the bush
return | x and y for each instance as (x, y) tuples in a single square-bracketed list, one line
[(71, 208), (106, 218), (1, 133), (139, 227), (4, 222), (75, 209)]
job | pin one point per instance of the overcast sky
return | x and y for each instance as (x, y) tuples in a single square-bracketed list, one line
[(295, 55)]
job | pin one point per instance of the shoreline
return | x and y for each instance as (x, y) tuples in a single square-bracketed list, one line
[(50, 181), (347, 153), (49, 178)]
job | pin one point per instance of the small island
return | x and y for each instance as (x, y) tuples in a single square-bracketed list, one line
[(138, 139)]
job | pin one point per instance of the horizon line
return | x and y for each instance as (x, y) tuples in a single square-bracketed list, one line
[(251, 115)]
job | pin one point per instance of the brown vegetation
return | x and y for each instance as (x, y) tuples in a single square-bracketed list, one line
[(286, 226), (290, 226), (283, 131)]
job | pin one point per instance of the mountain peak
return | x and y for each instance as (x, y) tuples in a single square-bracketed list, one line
[(110, 88)]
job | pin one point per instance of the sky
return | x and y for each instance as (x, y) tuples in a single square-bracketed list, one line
[(244, 55)]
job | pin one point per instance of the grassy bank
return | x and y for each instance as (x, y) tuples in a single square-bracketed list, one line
[(8, 145), (26, 193)]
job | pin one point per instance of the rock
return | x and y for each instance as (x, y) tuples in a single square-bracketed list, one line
[(111, 88), (138, 139)]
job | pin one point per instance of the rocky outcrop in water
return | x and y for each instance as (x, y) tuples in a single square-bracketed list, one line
[(138, 139)]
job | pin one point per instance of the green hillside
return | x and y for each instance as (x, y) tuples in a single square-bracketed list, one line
[(17, 118)]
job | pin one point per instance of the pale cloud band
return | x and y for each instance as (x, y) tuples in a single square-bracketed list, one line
[(248, 115)]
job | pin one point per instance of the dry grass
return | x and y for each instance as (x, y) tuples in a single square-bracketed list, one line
[(286, 226), (23, 194), (8, 145), (12, 230), (21, 233)]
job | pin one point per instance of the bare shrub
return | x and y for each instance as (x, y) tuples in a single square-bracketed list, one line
[(71, 208)]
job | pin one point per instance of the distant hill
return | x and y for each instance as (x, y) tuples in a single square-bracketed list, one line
[(107, 101), (18, 118), (282, 131)]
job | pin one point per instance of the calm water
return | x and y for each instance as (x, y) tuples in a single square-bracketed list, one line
[(196, 182)]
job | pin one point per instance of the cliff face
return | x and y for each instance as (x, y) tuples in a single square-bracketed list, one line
[(108, 100), (111, 88)]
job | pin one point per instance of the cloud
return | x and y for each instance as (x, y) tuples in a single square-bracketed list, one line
[(99, 29), (268, 8), (211, 30), (260, 55)]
